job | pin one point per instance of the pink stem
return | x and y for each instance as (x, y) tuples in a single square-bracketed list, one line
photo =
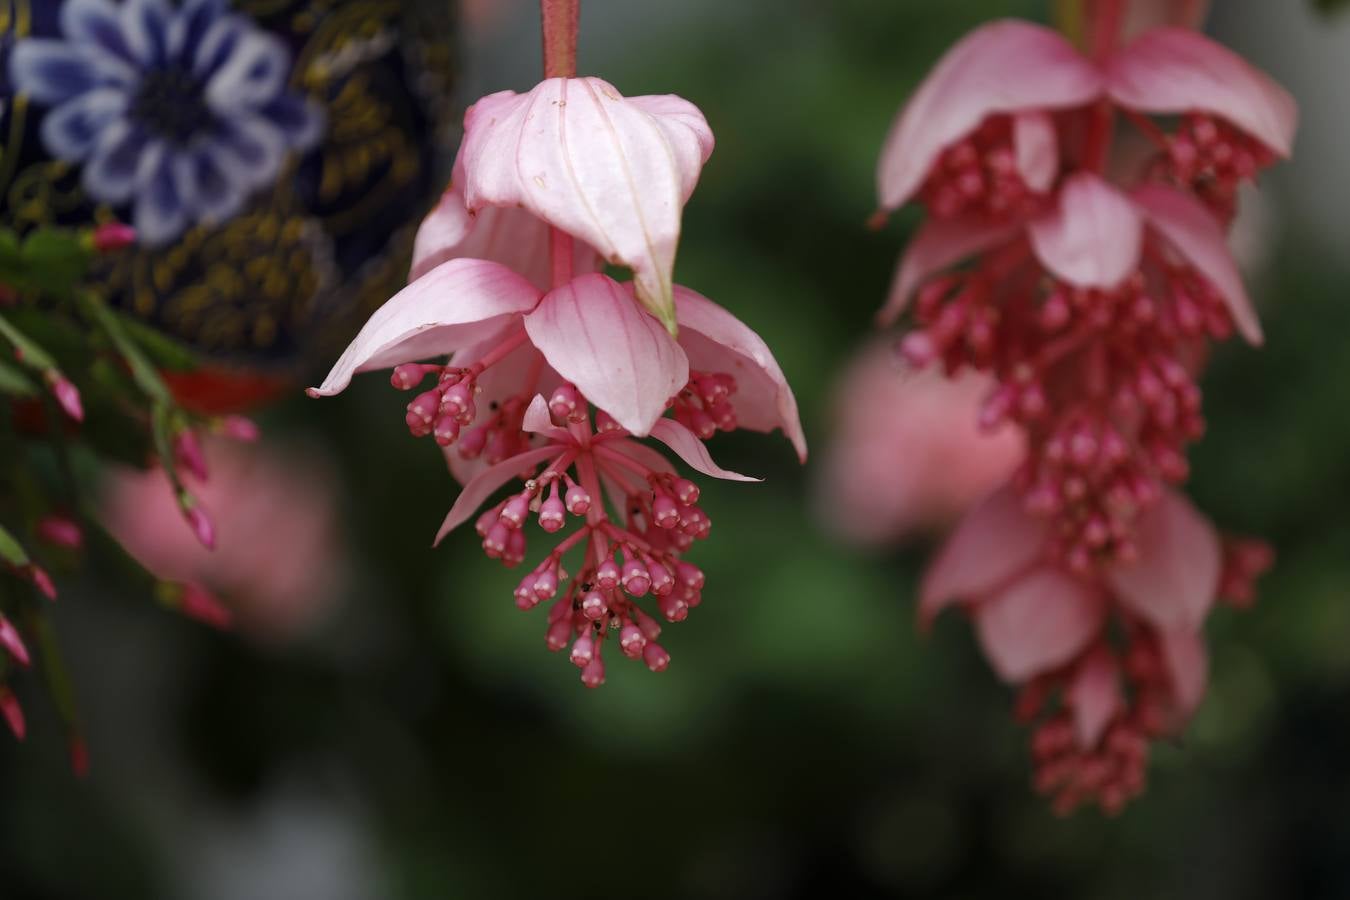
[(560, 20), (1105, 35), (499, 352)]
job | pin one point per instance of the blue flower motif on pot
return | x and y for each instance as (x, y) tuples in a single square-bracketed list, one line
[(181, 112)]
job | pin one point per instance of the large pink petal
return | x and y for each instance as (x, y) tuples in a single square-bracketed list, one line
[(455, 304), (1038, 623), (487, 481), (1177, 70), (1003, 67), (693, 451), (939, 244), (994, 542), (1192, 229), (613, 173), (620, 358), (1092, 238), (1094, 696), (1174, 581), (716, 341), (1187, 664)]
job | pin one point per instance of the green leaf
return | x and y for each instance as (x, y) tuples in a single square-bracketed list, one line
[(11, 551), (164, 350), (54, 260), (142, 371), (30, 354), (15, 383)]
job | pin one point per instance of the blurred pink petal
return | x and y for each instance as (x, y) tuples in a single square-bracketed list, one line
[(611, 172), (1003, 67), (278, 554), (620, 358), (693, 451), (1186, 224), (1187, 664), (453, 305), (1093, 237), (907, 453), (939, 244), (1037, 148), (716, 341), (1038, 622), (1177, 70), (995, 542), (1094, 696), (1175, 579)]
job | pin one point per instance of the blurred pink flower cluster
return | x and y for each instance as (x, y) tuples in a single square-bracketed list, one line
[(555, 370), (1089, 306)]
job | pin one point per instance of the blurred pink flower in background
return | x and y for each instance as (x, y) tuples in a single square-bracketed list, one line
[(277, 557), (907, 453)]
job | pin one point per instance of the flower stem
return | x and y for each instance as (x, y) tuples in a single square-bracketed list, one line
[(560, 19), (1106, 25)]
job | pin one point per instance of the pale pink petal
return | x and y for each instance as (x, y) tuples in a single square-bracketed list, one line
[(1092, 238), (1094, 696), (693, 451), (1003, 67), (620, 358), (939, 244), (487, 481), (455, 304), (511, 237), (1177, 70), (645, 455), (612, 173), (1189, 227), (995, 542), (1038, 623), (1187, 664), (1174, 581), (538, 420), (716, 341), (1037, 149)]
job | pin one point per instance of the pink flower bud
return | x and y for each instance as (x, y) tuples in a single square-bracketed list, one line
[(516, 509), (655, 656), (665, 511), (565, 404), (577, 499), (636, 579), (67, 395), (593, 606), (197, 603), (583, 650), (632, 641), (201, 525), (594, 674), (239, 428), (546, 584), (559, 631), (111, 236), (42, 581), (12, 713), (552, 513), (187, 453), (60, 531), (12, 643)]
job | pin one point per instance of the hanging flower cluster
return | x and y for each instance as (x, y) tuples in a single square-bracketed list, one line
[(1091, 297), (553, 370)]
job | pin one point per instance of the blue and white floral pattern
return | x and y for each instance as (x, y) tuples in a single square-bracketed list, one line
[(182, 111)]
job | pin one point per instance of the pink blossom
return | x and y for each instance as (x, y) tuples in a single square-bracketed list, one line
[(1045, 628), (277, 550), (907, 452), (1092, 306), (554, 369)]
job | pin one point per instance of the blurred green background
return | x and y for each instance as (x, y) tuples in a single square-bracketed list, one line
[(421, 743)]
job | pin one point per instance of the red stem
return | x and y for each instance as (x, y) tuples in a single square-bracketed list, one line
[(1106, 26), (560, 20)]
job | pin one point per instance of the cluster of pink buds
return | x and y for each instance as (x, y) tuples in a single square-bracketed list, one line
[(554, 371), (1092, 305)]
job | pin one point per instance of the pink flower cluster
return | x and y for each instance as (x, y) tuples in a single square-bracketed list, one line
[(1091, 302), (554, 370)]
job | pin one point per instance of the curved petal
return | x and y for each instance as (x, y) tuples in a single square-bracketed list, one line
[(160, 213), (455, 304), (486, 482), (1094, 696), (206, 187), (693, 451), (512, 237), (1174, 581), (620, 358), (538, 420), (575, 153), (110, 174), (251, 75), (679, 120), (145, 26), (1036, 148), (716, 341), (649, 457), (939, 244), (71, 130), (1093, 237), (51, 72), (1187, 664), (1186, 224), (96, 24), (1003, 67), (994, 542), (1177, 70), (1038, 623)]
